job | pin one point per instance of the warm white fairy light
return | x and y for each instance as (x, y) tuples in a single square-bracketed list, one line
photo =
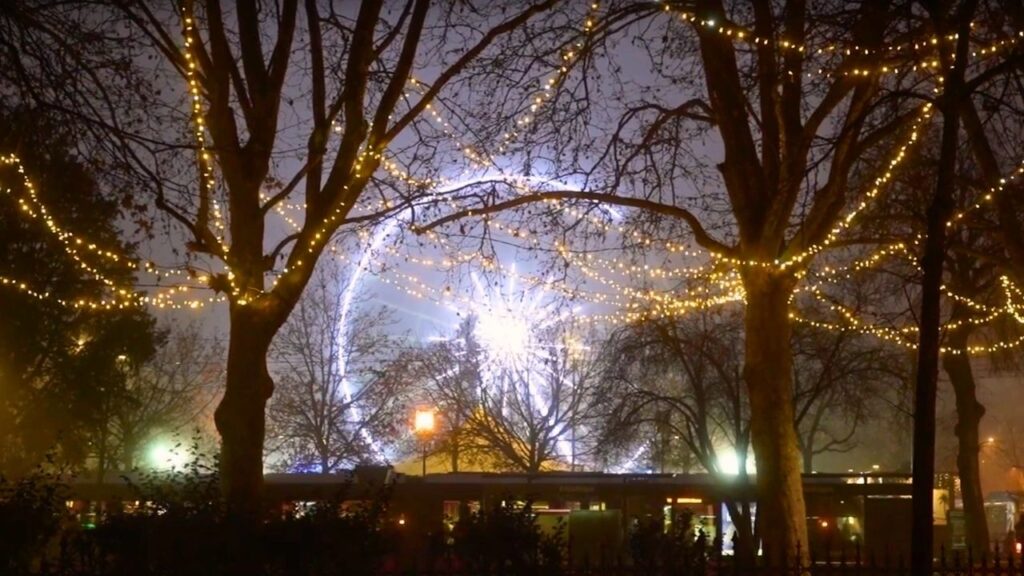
[(727, 281), (77, 247), (595, 269)]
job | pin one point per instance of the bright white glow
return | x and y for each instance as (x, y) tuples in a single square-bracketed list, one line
[(506, 324), (163, 455), (729, 462), (503, 334), (507, 320), (629, 464), (509, 326), (347, 297), (423, 422)]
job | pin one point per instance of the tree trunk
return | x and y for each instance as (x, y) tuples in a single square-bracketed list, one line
[(129, 449), (927, 378), (768, 371), (743, 540), (969, 412), (455, 450), (808, 456), (932, 263), (240, 416), (101, 458)]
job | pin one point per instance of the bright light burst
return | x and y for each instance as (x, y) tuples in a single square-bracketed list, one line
[(514, 327), (503, 334), (728, 462), (165, 455), (509, 321)]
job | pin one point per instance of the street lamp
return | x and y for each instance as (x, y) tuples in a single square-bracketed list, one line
[(423, 426)]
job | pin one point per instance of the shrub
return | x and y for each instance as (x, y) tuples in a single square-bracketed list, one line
[(678, 550), (181, 527), (31, 518), (506, 539)]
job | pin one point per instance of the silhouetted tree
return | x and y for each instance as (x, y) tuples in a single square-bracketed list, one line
[(526, 415), (168, 393), (62, 365), (789, 150), (338, 400), (305, 104)]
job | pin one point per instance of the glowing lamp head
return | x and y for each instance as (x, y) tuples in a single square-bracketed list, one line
[(423, 422)]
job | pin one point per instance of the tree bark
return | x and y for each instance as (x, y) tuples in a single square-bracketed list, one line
[(241, 415), (969, 412), (743, 543), (768, 371), (928, 363), (455, 449), (101, 458), (932, 263), (808, 456)]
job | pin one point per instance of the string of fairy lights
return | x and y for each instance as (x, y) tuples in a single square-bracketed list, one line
[(204, 160), (722, 273), (784, 45), (79, 250)]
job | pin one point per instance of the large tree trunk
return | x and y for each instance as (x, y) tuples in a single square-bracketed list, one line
[(969, 412), (240, 416), (768, 371)]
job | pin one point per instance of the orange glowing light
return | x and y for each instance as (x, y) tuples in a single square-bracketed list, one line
[(423, 421)]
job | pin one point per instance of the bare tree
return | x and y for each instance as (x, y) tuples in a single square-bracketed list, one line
[(1009, 450), (527, 416), (840, 379), (338, 400), (989, 106), (786, 142), (974, 259), (450, 375), (169, 392), (305, 105), (684, 377)]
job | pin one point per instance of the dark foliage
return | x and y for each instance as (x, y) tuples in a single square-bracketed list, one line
[(506, 539), (63, 367), (677, 550), (31, 517), (179, 526)]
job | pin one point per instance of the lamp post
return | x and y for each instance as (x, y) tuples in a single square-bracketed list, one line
[(423, 425)]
